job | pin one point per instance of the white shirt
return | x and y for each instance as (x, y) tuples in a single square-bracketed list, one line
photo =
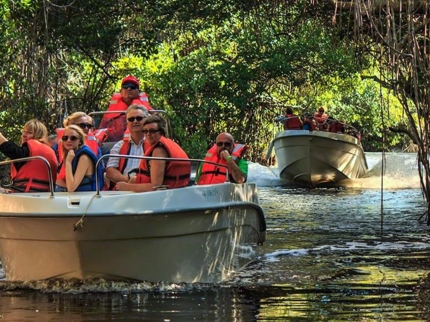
[(135, 149)]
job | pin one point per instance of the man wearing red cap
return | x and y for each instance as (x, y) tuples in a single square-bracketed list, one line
[(129, 94)]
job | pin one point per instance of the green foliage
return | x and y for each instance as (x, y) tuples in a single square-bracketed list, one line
[(213, 66)]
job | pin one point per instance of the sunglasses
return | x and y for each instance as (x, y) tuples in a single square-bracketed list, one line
[(129, 86), (150, 131), (72, 138), (137, 118), (226, 144), (84, 125)]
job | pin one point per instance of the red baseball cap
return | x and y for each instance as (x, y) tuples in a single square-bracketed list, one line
[(130, 79)]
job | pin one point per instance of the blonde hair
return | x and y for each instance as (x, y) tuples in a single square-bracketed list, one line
[(73, 117), (40, 132), (81, 136)]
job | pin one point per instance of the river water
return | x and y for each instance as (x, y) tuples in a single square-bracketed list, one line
[(356, 254)]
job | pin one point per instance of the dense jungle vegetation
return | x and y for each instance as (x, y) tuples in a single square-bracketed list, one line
[(224, 65)]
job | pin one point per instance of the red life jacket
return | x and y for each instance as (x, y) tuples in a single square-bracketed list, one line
[(211, 173), (337, 127), (101, 135), (176, 174), (116, 122), (93, 144), (321, 121), (33, 175), (320, 118), (293, 122)]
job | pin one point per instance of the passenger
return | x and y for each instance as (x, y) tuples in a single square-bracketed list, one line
[(90, 121), (293, 121), (82, 121), (52, 140), (224, 152), (309, 123), (53, 143), (129, 94), (86, 123), (155, 173), (335, 126), (79, 162), (122, 169), (33, 175), (321, 118)]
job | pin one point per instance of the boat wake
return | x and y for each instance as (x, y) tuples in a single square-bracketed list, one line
[(397, 171), (99, 285)]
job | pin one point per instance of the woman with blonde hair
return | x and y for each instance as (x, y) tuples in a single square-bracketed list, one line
[(79, 163), (33, 175)]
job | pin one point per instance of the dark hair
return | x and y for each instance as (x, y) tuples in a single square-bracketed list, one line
[(289, 110), (156, 119)]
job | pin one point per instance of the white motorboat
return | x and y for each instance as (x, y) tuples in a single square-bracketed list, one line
[(318, 158), (190, 234)]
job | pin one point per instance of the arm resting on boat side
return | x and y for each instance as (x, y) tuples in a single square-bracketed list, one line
[(157, 174)]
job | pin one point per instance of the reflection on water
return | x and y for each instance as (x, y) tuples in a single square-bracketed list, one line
[(351, 254)]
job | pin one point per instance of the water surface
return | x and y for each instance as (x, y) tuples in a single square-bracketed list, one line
[(355, 254)]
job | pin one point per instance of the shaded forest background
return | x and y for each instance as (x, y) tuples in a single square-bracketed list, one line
[(227, 65), (224, 65)]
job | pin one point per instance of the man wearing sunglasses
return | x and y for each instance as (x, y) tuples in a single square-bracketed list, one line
[(122, 169), (129, 94), (224, 152)]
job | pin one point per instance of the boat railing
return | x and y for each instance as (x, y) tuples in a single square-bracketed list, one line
[(98, 115), (124, 112), (50, 178), (349, 129), (99, 164), (126, 156)]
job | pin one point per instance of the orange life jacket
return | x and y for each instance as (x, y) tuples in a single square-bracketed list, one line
[(176, 174), (33, 175), (211, 173), (116, 122), (321, 121), (101, 135), (293, 122)]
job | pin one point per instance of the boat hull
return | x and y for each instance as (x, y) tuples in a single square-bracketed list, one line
[(193, 234), (318, 159)]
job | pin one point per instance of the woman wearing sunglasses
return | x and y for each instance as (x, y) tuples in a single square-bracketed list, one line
[(82, 120), (155, 173), (30, 176), (225, 152), (79, 163)]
